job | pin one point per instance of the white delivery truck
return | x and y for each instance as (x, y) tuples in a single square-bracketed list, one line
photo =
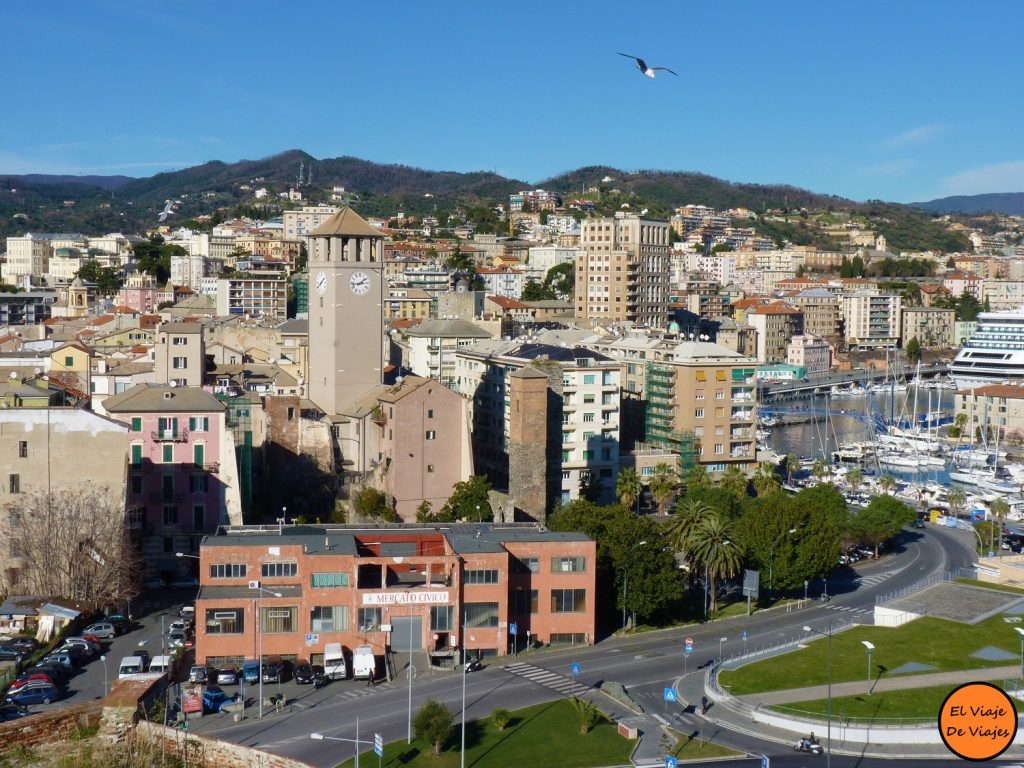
[(161, 664), (334, 662), (364, 663), (131, 665)]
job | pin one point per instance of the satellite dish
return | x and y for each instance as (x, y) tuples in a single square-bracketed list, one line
[(14, 374)]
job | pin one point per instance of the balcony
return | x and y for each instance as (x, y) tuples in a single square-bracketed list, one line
[(169, 436), (742, 416)]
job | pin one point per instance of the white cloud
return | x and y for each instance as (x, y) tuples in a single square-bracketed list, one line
[(22, 164), (1000, 177), (890, 168), (922, 134)]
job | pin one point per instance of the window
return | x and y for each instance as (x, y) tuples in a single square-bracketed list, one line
[(168, 454), (369, 619), (442, 618), (136, 455), (279, 620), (278, 569), (228, 570), (15, 484), (701, 376), (568, 600), (136, 423), (431, 434), (198, 454), (430, 413), (170, 515), (588, 417), (719, 394), (698, 413), (168, 544), (481, 615), (588, 398), (482, 577), (531, 564), (524, 601), (168, 427), (179, 363), (588, 455), (328, 618), (199, 423), (568, 564), (179, 341), (23, 449), (430, 467), (225, 621), (606, 379), (590, 378), (198, 483), (136, 484), (69, 361), (328, 580), (198, 517), (719, 449)]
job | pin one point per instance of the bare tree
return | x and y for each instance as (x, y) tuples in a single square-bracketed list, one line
[(71, 544)]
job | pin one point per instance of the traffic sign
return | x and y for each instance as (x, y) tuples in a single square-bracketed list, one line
[(312, 638), (688, 650), (513, 628), (378, 744), (575, 669), (671, 762), (671, 695), (764, 761), (689, 642), (744, 635)]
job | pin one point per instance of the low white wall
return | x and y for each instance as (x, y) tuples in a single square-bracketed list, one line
[(890, 617)]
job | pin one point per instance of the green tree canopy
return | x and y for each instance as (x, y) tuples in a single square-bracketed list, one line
[(880, 520), (534, 291), (913, 350), (469, 501), (433, 724)]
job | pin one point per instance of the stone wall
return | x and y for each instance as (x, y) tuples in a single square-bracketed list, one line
[(48, 727), (208, 753)]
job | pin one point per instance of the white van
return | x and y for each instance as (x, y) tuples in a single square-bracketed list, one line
[(131, 665), (364, 663), (161, 664), (334, 662)]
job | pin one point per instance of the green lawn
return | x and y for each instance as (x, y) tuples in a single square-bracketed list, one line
[(987, 585), (918, 703), (944, 644), (546, 734)]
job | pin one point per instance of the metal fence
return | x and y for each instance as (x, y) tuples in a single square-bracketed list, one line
[(938, 578), (841, 720)]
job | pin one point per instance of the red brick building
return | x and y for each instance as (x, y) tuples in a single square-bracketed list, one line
[(390, 587)]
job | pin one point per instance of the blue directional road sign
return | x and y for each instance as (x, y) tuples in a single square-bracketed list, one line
[(688, 649), (513, 628), (576, 669), (671, 762), (378, 744), (671, 695), (744, 635)]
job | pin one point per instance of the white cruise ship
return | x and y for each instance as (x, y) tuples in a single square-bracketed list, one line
[(994, 354)]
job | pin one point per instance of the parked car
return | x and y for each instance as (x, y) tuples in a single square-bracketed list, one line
[(275, 671), (227, 676), (188, 614), (154, 583), (62, 657), (103, 629), (186, 582), (121, 622), (251, 672), (178, 625), (41, 693), (304, 672), (176, 638), (78, 653), (57, 672), (31, 677), (24, 641), (10, 712), (918, 522), (200, 673), (13, 653)]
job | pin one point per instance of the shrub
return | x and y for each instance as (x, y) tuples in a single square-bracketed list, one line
[(501, 717), (433, 723)]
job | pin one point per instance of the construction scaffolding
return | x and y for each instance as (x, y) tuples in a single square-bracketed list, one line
[(659, 426), (238, 415)]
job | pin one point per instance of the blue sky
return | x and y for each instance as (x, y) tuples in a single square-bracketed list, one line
[(898, 100)]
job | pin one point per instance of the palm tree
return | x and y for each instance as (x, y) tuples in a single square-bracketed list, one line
[(960, 422), (696, 477), (887, 483), (627, 488), (819, 470), (765, 480), (999, 509), (792, 465), (854, 477), (663, 485), (957, 500), (734, 480), (713, 547), (680, 526)]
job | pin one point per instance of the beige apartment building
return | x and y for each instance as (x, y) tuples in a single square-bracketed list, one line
[(872, 319), (622, 270), (932, 327), (821, 314), (180, 354), (702, 403), (299, 224), (993, 405), (27, 256), (776, 324)]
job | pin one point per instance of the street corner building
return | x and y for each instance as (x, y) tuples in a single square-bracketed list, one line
[(435, 590)]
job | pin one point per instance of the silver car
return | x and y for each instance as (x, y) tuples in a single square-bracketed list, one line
[(102, 630)]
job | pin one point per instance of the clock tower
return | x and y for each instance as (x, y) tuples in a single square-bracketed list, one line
[(346, 310)]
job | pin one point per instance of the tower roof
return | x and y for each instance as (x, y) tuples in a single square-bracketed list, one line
[(346, 222)]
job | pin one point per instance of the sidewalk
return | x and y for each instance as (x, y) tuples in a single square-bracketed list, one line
[(900, 683)]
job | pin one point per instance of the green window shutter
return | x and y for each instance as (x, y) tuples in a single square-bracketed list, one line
[(136, 455), (197, 454), (192, 423), (137, 424), (168, 454)]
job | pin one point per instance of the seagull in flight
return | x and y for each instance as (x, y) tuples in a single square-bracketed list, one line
[(642, 65)]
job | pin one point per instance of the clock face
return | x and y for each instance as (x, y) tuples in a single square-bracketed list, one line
[(321, 283), (359, 283)]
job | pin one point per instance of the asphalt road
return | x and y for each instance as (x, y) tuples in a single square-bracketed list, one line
[(645, 663)]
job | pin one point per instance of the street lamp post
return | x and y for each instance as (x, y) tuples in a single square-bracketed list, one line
[(106, 684), (625, 581), (355, 742), (828, 748), (462, 748), (720, 641), (771, 559), (259, 641), (869, 646), (1021, 633)]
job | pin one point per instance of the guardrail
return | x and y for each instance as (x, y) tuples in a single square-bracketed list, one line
[(938, 578), (841, 720)]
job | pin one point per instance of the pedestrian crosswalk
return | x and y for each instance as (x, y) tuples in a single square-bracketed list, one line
[(870, 581), (849, 609), (560, 683)]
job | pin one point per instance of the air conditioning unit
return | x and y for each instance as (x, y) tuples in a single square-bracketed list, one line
[(254, 585)]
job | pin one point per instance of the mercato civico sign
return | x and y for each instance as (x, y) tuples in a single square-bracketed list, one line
[(405, 598)]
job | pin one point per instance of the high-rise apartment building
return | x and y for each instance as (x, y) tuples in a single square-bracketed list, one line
[(622, 270)]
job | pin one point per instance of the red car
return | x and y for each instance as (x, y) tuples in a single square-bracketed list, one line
[(30, 677)]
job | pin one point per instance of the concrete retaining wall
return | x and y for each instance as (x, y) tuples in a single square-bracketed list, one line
[(208, 753)]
